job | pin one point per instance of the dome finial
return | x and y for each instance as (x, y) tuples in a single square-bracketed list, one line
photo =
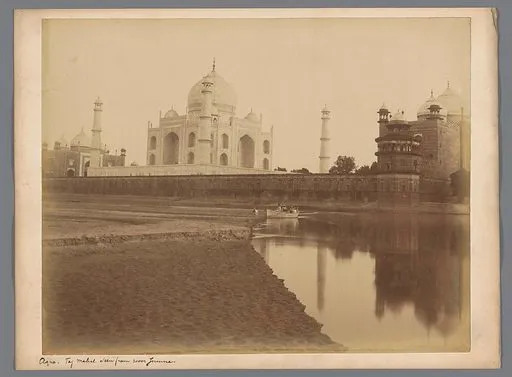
[(448, 83), (431, 93), (213, 65)]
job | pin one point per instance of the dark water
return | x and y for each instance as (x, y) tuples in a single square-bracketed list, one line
[(377, 282)]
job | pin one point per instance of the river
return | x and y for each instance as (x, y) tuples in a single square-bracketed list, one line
[(380, 282)]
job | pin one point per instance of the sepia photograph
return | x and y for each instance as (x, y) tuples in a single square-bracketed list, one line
[(256, 185)]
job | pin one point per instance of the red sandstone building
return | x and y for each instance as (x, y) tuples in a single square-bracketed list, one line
[(418, 157), (75, 158)]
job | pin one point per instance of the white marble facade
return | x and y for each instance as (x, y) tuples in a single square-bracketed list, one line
[(234, 142)]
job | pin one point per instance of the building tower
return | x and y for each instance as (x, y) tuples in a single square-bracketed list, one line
[(96, 135), (383, 119), (399, 158), (205, 122), (324, 141)]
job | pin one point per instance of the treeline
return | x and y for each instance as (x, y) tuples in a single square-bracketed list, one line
[(343, 165)]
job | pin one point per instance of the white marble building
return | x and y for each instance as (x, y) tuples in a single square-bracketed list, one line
[(232, 141)]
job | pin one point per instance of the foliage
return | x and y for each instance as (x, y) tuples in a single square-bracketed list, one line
[(279, 169), (301, 171), (459, 182), (363, 170), (367, 170), (343, 165)]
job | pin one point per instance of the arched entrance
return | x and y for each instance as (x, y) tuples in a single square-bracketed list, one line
[(225, 141), (223, 159), (171, 149), (266, 147), (152, 159), (190, 158), (152, 142), (86, 168), (246, 152), (265, 164), (70, 173), (191, 140)]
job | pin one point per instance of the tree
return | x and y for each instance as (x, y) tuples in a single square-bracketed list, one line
[(367, 170), (343, 165), (459, 182), (363, 170), (280, 169), (301, 171)]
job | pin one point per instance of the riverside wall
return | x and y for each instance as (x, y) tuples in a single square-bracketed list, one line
[(264, 186)]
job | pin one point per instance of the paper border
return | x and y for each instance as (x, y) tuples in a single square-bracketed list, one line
[(485, 305)]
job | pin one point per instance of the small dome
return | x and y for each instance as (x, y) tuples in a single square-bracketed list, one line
[(424, 109), (223, 93), (81, 139), (171, 114), (451, 101), (399, 116), (253, 117), (63, 141)]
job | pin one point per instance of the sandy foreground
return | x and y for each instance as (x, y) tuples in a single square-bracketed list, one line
[(194, 285)]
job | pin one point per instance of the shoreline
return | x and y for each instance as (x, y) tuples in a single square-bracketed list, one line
[(234, 204), (171, 296), (218, 236)]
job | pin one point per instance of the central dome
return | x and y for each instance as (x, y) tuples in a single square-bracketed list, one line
[(451, 101), (224, 96)]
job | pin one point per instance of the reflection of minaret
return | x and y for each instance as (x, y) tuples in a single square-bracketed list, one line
[(324, 141), (264, 249), (320, 266), (96, 135)]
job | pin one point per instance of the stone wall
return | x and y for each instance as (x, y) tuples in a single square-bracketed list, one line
[(173, 170), (289, 186), (314, 186)]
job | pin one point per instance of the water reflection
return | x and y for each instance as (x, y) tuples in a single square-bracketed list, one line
[(379, 282)]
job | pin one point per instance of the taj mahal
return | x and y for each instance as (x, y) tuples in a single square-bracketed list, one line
[(208, 138)]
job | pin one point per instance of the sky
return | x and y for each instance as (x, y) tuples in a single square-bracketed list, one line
[(285, 69)]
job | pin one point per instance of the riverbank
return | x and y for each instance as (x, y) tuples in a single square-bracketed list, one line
[(75, 220), (122, 276), (174, 296), (221, 207)]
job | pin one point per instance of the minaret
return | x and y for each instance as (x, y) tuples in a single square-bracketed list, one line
[(205, 123), (96, 134), (324, 141)]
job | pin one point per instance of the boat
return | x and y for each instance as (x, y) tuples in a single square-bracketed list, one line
[(282, 213)]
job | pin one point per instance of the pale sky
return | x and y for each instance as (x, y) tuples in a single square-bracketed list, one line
[(286, 69)]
